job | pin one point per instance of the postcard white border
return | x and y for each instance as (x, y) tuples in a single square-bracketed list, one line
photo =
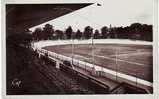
[(155, 94)]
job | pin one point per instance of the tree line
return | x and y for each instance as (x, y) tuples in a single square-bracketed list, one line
[(135, 31)]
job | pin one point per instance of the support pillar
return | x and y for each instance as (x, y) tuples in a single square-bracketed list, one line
[(93, 72), (39, 55), (57, 65)]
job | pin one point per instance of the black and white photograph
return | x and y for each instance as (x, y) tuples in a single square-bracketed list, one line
[(102, 47)]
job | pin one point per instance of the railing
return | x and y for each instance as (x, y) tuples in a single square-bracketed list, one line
[(104, 71)]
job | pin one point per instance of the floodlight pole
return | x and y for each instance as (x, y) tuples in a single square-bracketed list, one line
[(116, 62), (73, 40), (136, 70), (72, 47), (92, 38), (136, 77), (92, 50)]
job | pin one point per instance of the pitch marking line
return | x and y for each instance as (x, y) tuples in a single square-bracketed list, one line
[(114, 59)]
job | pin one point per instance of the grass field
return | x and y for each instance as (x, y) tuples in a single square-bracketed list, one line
[(135, 60)]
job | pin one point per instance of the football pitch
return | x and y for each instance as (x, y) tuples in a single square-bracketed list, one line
[(134, 60)]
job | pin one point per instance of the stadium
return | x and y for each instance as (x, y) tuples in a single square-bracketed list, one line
[(71, 49), (119, 60)]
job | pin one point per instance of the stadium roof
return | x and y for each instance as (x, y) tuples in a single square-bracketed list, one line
[(23, 16)]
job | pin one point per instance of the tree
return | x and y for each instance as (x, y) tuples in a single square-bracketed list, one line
[(113, 33), (104, 32), (96, 34), (88, 32), (146, 33), (48, 31), (135, 30), (78, 34), (69, 32), (120, 32), (60, 34)]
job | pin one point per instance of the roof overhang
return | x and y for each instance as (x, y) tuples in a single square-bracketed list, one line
[(23, 16)]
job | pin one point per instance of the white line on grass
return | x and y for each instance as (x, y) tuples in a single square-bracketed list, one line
[(135, 63)]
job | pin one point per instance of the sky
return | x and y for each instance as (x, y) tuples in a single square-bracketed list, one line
[(114, 12)]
